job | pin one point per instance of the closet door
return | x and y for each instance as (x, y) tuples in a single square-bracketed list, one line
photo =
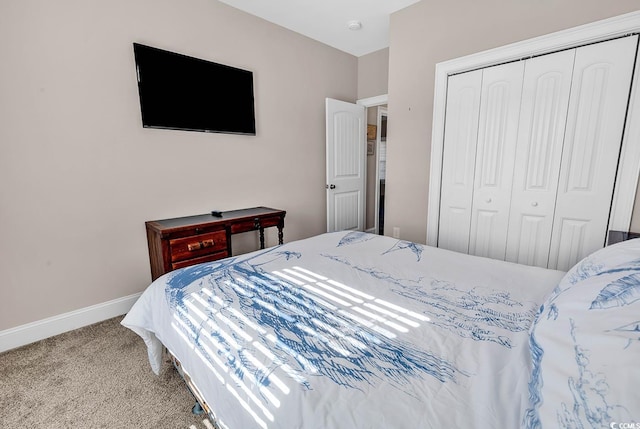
[(599, 96), (495, 156), (545, 100), (458, 160)]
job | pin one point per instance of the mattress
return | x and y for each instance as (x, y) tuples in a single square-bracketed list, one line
[(347, 330)]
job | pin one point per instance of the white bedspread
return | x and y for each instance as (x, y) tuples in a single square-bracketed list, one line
[(350, 330)]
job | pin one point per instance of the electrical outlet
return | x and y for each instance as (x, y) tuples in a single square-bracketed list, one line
[(396, 232)]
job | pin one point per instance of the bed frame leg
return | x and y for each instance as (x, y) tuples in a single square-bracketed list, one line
[(197, 409)]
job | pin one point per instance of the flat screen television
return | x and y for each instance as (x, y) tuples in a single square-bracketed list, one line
[(184, 93)]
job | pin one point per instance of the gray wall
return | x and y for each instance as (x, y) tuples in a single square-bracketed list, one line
[(79, 175), (373, 74)]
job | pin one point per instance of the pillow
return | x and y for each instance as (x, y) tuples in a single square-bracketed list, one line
[(585, 345)]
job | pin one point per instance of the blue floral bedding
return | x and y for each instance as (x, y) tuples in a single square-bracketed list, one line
[(348, 330)]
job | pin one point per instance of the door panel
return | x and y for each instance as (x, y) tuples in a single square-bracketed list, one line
[(545, 100), (531, 229), (346, 156), (458, 160), (495, 156), (487, 226), (346, 210), (595, 124), (572, 237)]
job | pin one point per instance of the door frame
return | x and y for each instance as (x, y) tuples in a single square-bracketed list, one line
[(378, 100), (629, 164)]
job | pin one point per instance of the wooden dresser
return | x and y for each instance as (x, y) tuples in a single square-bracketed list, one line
[(184, 241)]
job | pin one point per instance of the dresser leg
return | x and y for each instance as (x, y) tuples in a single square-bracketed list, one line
[(262, 238), (280, 235)]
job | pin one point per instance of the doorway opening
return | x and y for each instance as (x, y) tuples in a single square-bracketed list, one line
[(376, 168), (376, 118)]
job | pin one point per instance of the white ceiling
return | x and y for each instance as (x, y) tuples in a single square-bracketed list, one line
[(327, 20)]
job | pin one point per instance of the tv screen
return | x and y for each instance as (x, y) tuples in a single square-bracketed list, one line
[(185, 93)]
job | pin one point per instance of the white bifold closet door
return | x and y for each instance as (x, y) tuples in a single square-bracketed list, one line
[(458, 160), (530, 155), (595, 124), (546, 90), (495, 159)]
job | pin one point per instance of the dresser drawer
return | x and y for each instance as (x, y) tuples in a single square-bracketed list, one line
[(244, 226), (198, 245), (200, 260), (251, 225), (270, 221)]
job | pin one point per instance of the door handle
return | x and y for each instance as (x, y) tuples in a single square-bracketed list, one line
[(332, 186)]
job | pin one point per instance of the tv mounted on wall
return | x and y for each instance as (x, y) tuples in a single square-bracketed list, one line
[(184, 93)]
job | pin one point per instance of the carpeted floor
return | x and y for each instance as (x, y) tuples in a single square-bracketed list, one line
[(94, 377)]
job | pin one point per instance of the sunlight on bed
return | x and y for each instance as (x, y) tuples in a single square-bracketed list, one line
[(256, 378)]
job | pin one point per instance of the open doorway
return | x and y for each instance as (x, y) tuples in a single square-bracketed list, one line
[(376, 168)]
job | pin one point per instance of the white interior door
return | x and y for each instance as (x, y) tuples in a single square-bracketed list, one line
[(458, 160), (595, 124), (495, 157), (545, 100), (346, 164)]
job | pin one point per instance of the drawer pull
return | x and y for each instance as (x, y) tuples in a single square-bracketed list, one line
[(200, 245)]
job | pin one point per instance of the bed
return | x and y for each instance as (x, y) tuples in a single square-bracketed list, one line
[(349, 329)]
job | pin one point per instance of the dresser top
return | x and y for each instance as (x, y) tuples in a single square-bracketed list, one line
[(231, 215)]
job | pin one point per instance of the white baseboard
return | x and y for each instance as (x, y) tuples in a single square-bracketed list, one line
[(45, 328)]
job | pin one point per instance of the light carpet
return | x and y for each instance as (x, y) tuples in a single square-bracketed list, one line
[(94, 377)]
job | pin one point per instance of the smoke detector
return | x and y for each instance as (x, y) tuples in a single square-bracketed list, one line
[(354, 25)]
